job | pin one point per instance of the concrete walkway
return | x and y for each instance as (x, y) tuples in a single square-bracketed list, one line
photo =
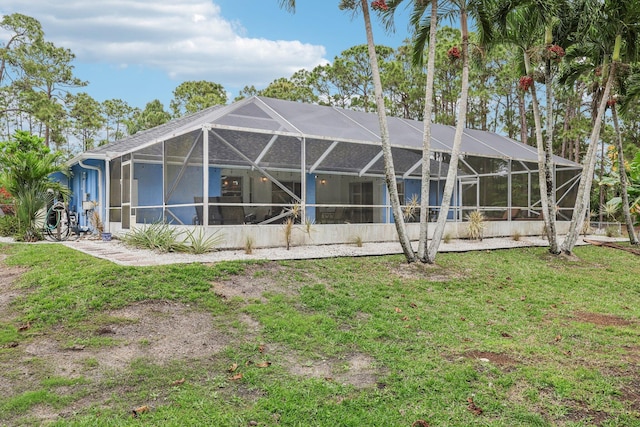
[(115, 251)]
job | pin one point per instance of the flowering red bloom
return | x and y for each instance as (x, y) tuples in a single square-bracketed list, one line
[(379, 5), (555, 52), (4, 194), (525, 83), (454, 53)]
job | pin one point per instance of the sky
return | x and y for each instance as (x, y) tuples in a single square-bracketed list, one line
[(141, 50)]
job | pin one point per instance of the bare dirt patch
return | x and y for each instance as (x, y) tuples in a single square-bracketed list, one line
[(159, 331), (356, 369), (256, 280), (631, 394), (580, 412), (419, 270), (632, 354), (601, 319)]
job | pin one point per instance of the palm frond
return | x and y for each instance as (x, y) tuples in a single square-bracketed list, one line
[(289, 5)]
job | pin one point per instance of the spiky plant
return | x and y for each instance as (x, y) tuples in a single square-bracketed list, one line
[(199, 242), (610, 210), (288, 231), (248, 245), (475, 226), (156, 236), (409, 211)]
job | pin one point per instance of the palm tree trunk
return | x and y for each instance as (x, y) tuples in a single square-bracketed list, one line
[(565, 139), (389, 170), (542, 165), (601, 187), (457, 142), (588, 168), (549, 167), (426, 142), (633, 239), (523, 120)]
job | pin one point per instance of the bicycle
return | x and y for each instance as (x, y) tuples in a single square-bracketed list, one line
[(59, 222)]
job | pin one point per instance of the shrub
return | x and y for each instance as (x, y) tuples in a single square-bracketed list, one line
[(612, 231), (96, 220), (248, 245), (162, 237), (156, 236), (9, 226), (294, 212), (288, 230), (26, 167), (199, 243), (476, 226), (411, 208)]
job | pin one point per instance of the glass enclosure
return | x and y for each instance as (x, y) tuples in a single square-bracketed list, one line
[(266, 161)]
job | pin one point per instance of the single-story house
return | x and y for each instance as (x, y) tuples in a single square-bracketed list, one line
[(241, 168)]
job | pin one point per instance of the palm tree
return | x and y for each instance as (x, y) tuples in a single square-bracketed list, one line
[(390, 175), (457, 140), (527, 24), (418, 12), (479, 9), (612, 25), (426, 142), (629, 92), (633, 239), (462, 7), (27, 166)]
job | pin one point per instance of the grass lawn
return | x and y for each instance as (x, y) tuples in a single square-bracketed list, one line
[(490, 338)]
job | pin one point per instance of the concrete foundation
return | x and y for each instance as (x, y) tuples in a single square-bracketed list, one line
[(274, 235)]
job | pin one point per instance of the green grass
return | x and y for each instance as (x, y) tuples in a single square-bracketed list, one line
[(561, 338)]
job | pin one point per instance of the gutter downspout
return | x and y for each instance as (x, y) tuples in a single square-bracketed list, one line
[(95, 168), (107, 202)]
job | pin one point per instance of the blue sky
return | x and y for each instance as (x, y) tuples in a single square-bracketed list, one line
[(140, 50)]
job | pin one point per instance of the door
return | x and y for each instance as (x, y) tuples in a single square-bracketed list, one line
[(469, 196)]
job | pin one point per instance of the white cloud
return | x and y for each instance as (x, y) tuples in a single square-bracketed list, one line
[(187, 39)]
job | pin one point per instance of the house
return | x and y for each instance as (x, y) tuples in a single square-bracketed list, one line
[(241, 168)]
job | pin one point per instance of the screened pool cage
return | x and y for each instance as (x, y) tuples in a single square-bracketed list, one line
[(261, 161)]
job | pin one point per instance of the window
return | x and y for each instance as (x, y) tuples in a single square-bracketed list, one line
[(278, 195), (361, 193), (232, 186)]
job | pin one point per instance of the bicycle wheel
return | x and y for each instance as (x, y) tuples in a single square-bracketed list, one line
[(57, 224)]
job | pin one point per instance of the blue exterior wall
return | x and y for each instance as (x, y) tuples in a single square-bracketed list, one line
[(387, 215), (149, 177), (215, 182), (411, 187), (85, 185), (150, 191), (310, 212)]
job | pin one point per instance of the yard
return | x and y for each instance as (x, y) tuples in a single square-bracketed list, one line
[(490, 338)]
